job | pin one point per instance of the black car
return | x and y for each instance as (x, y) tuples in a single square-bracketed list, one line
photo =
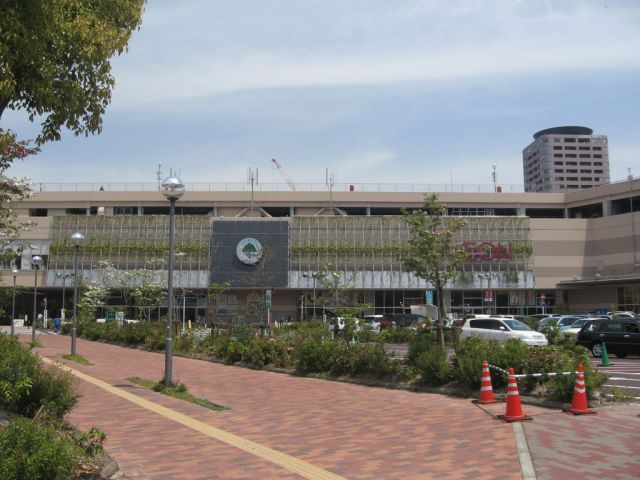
[(621, 336)]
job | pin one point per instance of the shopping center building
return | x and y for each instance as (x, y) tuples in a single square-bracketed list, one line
[(562, 252)]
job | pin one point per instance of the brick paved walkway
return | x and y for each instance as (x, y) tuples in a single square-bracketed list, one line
[(593, 447), (353, 431)]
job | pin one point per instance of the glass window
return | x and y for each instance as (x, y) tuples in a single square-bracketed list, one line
[(612, 327), (516, 325), (485, 324), (593, 327)]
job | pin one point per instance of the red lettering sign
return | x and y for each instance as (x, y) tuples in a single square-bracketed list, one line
[(487, 251)]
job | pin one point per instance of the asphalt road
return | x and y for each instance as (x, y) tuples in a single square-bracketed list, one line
[(624, 373)]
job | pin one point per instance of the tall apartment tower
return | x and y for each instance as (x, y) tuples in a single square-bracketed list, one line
[(565, 158)]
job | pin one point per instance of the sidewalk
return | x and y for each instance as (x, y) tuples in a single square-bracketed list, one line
[(332, 429)]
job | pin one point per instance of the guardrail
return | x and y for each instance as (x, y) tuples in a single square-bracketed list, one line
[(280, 187)]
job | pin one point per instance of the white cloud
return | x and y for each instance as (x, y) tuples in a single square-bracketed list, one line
[(356, 43)]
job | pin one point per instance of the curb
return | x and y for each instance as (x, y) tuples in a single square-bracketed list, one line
[(524, 455)]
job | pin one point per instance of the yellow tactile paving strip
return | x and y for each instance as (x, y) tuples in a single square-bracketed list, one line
[(292, 464)]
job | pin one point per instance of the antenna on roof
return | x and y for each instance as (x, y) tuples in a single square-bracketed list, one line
[(159, 174), (495, 177), (252, 179)]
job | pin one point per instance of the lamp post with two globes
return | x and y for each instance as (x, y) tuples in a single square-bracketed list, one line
[(172, 188)]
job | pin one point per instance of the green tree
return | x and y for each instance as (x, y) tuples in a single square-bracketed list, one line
[(432, 252), (12, 192), (336, 289), (213, 292), (55, 59)]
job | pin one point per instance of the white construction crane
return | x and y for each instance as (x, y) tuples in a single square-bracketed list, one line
[(284, 174)]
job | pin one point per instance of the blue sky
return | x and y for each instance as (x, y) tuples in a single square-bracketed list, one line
[(377, 91)]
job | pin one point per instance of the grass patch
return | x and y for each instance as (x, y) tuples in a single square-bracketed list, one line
[(77, 358), (618, 395), (179, 390)]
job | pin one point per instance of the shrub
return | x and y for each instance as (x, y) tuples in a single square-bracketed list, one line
[(561, 387), (186, 343), (314, 355), (421, 342), (268, 351), (470, 353), (155, 336), (31, 451), (342, 358), (552, 333), (433, 366), (17, 371), (25, 386), (523, 359), (372, 360), (52, 389), (395, 335)]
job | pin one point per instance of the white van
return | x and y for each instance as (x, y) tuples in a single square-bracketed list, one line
[(501, 330)]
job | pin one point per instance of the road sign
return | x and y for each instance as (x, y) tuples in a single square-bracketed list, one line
[(429, 297), (267, 298)]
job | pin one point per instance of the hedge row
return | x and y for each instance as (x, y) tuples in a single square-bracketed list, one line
[(310, 348)]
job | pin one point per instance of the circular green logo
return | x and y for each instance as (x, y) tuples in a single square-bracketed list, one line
[(249, 251)]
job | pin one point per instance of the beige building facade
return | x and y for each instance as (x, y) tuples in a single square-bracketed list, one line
[(527, 252)]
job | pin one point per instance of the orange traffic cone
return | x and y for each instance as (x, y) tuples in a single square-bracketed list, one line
[(514, 408), (486, 390), (579, 405)]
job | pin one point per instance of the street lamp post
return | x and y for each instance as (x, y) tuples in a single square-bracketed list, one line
[(15, 272), (35, 263), (64, 289), (77, 239), (172, 188)]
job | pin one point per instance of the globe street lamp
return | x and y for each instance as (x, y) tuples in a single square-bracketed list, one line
[(172, 188), (35, 263), (77, 239), (15, 272)]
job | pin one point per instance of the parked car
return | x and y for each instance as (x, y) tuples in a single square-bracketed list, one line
[(624, 315), (372, 322), (567, 320), (574, 328), (621, 336), (340, 321), (548, 322), (540, 316), (501, 330), (405, 320)]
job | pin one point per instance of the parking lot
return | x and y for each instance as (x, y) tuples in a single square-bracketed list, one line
[(624, 373)]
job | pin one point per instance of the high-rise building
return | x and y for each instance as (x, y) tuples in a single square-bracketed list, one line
[(565, 158)]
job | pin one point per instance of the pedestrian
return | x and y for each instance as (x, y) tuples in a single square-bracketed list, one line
[(40, 320)]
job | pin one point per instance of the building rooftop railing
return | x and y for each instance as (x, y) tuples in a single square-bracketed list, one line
[(281, 187)]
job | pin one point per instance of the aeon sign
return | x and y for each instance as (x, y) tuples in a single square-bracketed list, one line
[(487, 251)]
